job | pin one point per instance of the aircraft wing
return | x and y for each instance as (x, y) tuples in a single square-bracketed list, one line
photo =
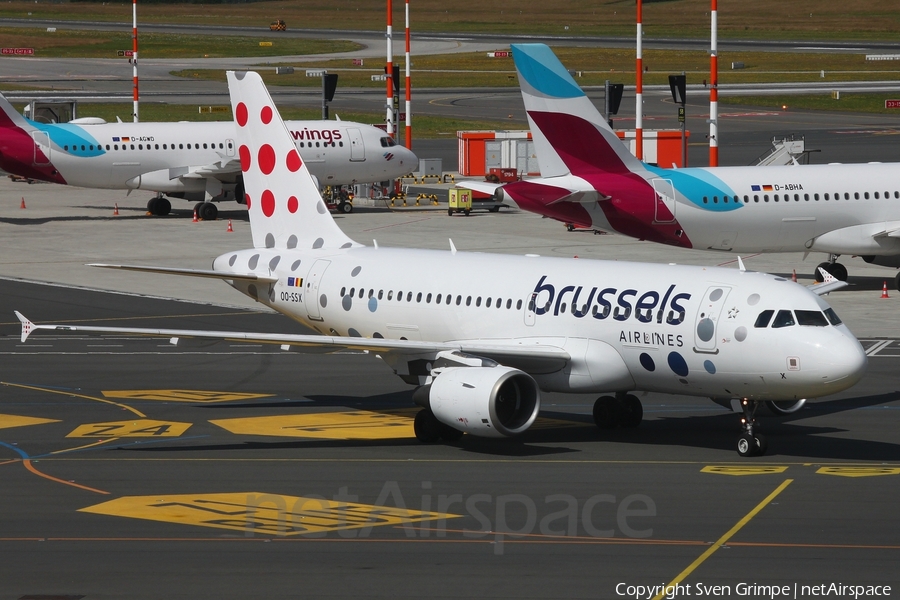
[(190, 272), (226, 166), (539, 357)]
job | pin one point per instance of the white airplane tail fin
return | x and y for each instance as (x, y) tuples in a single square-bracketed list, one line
[(570, 135), (286, 208)]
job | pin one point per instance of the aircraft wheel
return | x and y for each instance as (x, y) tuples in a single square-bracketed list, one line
[(208, 211), (632, 412), (606, 413), (450, 434), (747, 445), (198, 208), (761, 444), (897, 282), (426, 427), (163, 207), (152, 205), (839, 271)]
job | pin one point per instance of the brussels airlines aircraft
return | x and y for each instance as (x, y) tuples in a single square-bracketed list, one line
[(194, 161), (591, 179), (483, 338)]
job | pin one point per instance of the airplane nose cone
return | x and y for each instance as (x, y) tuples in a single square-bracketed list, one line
[(847, 361)]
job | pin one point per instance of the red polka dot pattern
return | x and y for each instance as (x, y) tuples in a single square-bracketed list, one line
[(265, 115), (293, 204), (247, 200), (293, 161), (266, 159), (267, 202), (240, 114), (244, 153)]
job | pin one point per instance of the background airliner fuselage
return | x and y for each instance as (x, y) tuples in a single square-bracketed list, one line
[(589, 178), (196, 161)]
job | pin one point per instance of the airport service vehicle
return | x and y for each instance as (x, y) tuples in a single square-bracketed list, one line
[(194, 161), (483, 338), (588, 177)]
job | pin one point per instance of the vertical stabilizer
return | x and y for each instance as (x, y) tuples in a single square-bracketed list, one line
[(286, 208), (10, 118), (570, 135)]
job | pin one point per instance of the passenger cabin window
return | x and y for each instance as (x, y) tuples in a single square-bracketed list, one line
[(811, 318), (763, 319), (784, 318)]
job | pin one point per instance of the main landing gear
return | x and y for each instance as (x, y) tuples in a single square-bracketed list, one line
[(750, 443), (429, 430), (159, 206), (206, 211), (622, 410), (834, 268)]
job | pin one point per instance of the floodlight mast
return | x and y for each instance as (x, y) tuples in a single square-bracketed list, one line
[(134, 56), (639, 87)]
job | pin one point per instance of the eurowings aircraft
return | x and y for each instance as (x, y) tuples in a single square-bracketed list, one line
[(589, 178), (483, 338), (193, 161)]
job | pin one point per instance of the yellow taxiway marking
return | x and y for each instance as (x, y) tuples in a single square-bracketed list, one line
[(74, 395), (195, 396), (7, 421), (351, 425), (749, 470), (724, 539), (255, 512), (137, 428), (348, 425), (859, 471)]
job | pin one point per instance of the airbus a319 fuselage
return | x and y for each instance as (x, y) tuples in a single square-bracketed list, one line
[(483, 335)]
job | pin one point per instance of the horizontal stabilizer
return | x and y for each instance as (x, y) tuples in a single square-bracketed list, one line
[(191, 272)]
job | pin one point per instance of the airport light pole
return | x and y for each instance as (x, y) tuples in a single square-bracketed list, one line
[(639, 87), (714, 86), (408, 86), (389, 69), (134, 56)]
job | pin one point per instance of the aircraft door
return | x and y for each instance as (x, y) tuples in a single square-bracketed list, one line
[(357, 148), (41, 147), (708, 316), (665, 201), (311, 296)]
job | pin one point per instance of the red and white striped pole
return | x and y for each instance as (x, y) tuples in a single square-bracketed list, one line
[(714, 87), (408, 86), (639, 87), (389, 69), (134, 56)]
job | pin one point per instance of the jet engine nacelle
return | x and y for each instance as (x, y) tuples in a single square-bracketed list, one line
[(485, 401), (883, 261), (785, 407)]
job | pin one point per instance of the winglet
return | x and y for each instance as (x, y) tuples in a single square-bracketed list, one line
[(27, 326), (829, 284), (741, 265)]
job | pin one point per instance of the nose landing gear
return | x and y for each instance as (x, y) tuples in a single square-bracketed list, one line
[(750, 443)]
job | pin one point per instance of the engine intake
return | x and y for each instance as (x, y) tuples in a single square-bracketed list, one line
[(485, 401)]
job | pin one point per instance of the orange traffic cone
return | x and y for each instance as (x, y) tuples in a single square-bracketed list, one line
[(884, 293), (116, 210), (230, 228), (794, 276), (23, 202), (195, 219)]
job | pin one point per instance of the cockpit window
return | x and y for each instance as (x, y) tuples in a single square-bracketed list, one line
[(811, 317), (784, 318), (832, 316), (387, 142), (763, 319)]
